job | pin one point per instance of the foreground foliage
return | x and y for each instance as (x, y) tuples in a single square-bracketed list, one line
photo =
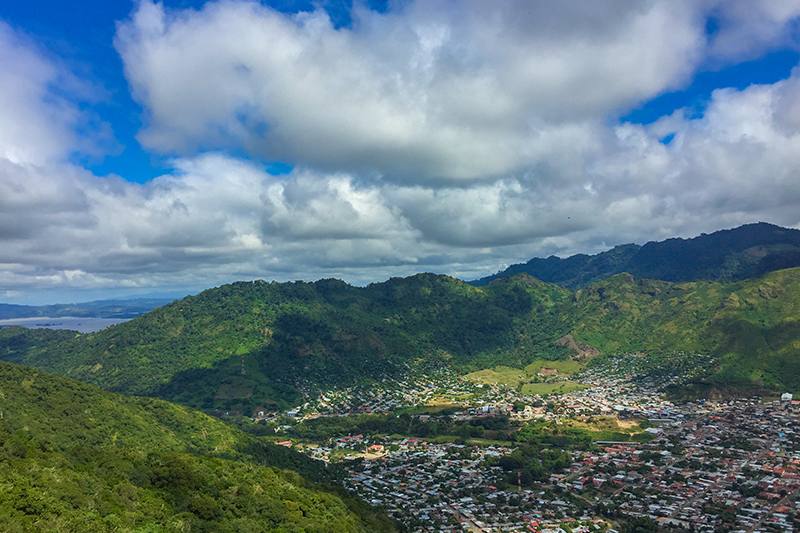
[(75, 458)]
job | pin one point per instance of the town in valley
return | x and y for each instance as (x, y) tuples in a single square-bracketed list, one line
[(609, 443)]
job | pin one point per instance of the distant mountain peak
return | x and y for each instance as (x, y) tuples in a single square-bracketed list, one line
[(747, 251)]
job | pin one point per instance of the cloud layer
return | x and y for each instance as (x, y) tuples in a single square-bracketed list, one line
[(433, 91), (444, 137)]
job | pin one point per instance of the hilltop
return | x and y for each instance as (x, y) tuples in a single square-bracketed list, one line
[(253, 343), (745, 252), (76, 458)]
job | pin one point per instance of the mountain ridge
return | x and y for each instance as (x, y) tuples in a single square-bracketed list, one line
[(744, 252), (250, 344), (116, 308)]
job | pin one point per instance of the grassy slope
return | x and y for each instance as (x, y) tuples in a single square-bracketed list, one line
[(248, 344), (558, 387), (76, 458), (753, 325), (242, 345), (527, 379)]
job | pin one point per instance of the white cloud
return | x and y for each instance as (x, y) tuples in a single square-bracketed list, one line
[(426, 139), (37, 123), (747, 28), (431, 91)]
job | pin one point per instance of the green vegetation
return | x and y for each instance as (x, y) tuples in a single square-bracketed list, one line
[(513, 377), (247, 345), (499, 375), (556, 387), (542, 446), (745, 252), (752, 326), (528, 381), (496, 428), (563, 367), (256, 344), (542, 450), (76, 458), (600, 428)]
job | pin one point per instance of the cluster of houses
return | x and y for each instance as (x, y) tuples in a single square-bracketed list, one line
[(434, 487), (732, 465), (707, 466), (390, 394)]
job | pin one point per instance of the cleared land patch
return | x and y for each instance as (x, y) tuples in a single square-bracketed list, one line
[(557, 387), (540, 377)]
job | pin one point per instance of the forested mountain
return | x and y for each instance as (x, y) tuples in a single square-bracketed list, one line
[(76, 458), (745, 252), (253, 344), (249, 343)]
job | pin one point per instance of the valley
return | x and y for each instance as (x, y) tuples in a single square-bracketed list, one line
[(421, 404), (400, 266), (448, 454)]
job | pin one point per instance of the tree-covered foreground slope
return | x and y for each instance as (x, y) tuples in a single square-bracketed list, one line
[(745, 252), (247, 345), (76, 458)]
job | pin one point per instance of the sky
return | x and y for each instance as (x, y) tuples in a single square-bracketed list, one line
[(151, 147)]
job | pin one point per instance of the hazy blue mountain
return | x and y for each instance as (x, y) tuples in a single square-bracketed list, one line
[(120, 308)]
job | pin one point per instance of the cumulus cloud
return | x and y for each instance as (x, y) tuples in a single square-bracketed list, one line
[(37, 122), (431, 91), (747, 28), (426, 138)]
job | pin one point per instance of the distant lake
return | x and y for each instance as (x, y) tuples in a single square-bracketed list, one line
[(84, 325)]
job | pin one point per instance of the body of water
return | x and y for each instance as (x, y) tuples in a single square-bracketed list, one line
[(84, 325)]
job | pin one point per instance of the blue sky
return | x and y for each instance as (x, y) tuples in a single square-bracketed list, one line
[(313, 139), (84, 38)]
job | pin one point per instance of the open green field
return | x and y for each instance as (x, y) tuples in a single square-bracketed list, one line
[(558, 387), (499, 375), (527, 379), (563, 366), (609, 428)]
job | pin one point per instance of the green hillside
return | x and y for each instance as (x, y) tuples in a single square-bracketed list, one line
[(753, 325), (254, 344), (740, 253), (251, 343), (76, 458)]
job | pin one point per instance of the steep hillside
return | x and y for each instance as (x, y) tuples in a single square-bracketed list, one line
[(76, 458), (753, 325), (745, 252), (248, 344), (256, 344)]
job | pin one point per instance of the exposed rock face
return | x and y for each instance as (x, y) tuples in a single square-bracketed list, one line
[(579, 351)]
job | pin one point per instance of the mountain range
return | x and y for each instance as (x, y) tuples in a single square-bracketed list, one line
[(96, 309), (77, 456), (745, 252), (251, 344)]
